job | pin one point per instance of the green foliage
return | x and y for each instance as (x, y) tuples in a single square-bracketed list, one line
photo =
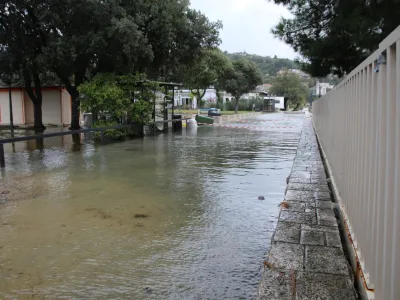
[(291, 87), (206, 71), (269, 66), (77, 39), (112, 134), (128, 95), (335, 36), (244, 77), (103, 94), (141, 112)]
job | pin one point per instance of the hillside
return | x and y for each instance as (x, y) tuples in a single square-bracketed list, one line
[(269, 66)]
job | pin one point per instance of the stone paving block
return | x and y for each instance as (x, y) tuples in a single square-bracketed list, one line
[(301, 162), (326, 217), (312, 237), (323, 204), (300, 174), (287, 256), (308, 187), (318, 180), (307, 196), (298, 217), (296, 206), (321, 259), (333, 239), (277, 285), (287, 232), (300, 180), (314, 286), (317, 174), (315, 158), (319, 228), (309, 166)]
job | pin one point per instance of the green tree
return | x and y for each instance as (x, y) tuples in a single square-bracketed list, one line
[(206, 71), (243, 78), (175, 33), (21, 46), (269, 66), (77, 39), (290, 86), (128, 95), (335, 36)]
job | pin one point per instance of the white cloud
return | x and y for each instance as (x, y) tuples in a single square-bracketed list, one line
[(247, 25)]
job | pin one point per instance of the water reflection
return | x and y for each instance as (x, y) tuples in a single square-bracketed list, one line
[(171, 217)]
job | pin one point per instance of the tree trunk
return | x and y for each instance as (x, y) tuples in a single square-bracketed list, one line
[(37, 116), (36, 97), (236, 105), (75, 105)]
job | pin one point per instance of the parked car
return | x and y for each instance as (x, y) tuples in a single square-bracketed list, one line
[(214, 112)]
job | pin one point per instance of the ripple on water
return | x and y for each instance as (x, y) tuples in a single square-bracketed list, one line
[(71, 227)]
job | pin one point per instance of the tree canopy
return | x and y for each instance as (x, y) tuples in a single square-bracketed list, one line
[(243, 78), (207, 70), (335, 36), (77, 39), (290, 86), (269, 66)]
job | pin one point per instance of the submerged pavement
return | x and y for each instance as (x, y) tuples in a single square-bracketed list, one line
[(306, 260)]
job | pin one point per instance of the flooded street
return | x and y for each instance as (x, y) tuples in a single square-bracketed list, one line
[(171, 217)]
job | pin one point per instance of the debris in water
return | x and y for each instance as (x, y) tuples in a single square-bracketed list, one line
[(63, 225), (5, 192), (268, 265), (284, 204), (141, 216), (261, 198), (148, 290)]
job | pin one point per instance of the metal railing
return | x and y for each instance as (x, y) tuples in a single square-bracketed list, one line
[(71, 132), (358, 126)]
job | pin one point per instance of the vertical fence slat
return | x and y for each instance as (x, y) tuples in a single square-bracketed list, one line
[(394, 255), (388, 204)]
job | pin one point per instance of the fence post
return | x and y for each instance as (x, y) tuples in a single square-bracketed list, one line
[(2, 160)]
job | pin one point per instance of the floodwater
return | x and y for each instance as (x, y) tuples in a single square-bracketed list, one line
[(171, 217)]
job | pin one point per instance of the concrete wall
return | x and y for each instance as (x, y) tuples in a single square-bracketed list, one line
[(56, 107), (18, 107), (65, 107), (28, 109), (51, 107)]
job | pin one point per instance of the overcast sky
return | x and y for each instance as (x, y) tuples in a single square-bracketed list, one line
[(247, 25)]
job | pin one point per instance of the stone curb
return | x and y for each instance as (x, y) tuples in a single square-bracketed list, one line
[(306, 259)]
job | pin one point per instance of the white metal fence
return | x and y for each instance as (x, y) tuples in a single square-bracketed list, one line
[(358, 124)]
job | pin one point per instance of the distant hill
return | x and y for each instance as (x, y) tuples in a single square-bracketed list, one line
[(269, 66)]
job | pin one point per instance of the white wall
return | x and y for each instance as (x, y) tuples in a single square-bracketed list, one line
[(66, 107), (51, 107), (18, 107)]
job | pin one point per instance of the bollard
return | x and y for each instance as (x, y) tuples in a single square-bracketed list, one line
[(2, 160)]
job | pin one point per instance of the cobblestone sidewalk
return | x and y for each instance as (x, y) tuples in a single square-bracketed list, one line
[(306, 260)]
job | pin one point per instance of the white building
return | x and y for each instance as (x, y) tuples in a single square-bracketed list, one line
[(321, 88), (279, 102), (56, 106), (295, 71), (186, 98)]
